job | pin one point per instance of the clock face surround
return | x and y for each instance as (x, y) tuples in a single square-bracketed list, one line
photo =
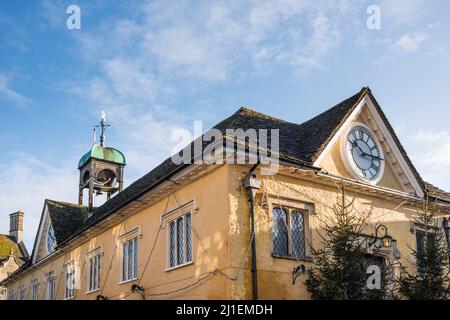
[(51, 240), (362, 153)]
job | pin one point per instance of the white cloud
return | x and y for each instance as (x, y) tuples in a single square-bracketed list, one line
[(27, 182), (10, 94), (189, 45), (130, 79), (401, 13), (431, 154), (409, 42), (53, 12)]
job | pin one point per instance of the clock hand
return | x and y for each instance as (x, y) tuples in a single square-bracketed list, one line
[(355, 143), (374, 157)]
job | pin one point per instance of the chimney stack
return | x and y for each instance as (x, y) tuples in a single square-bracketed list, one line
[(16, 226)]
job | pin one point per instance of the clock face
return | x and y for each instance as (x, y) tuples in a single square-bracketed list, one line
[(51, 240), (364, 154)]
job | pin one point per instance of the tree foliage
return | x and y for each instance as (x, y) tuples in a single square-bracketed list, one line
[(430, 279), (340, 264)]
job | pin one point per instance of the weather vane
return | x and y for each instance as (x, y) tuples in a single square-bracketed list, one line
[(102, 125)]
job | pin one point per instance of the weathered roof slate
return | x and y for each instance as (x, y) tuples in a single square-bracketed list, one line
[(301, 143), (66, 218), (437, 193), (298, 142), (9, 246)]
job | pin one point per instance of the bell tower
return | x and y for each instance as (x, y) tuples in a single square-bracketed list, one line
[(101, 168)]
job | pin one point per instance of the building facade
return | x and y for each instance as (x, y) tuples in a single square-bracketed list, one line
[(13, 253), (184, 231)]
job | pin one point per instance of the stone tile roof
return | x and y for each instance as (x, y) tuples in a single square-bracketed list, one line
[(436, 193), (300, 143), (66, 218), (8, 247)]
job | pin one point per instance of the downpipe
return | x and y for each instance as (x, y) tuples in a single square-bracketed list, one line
[(252, 184)]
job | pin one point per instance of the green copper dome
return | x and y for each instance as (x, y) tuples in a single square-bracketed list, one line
[(103, 153)]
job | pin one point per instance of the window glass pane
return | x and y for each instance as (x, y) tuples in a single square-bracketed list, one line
[(97, 272), (180, 242), (279, 232), (91, 274), (298, 234), (188, 238), (124, 261), (51, 289), (136, 257), (99, 268), (94, 272), (130, 260), (172, 247)]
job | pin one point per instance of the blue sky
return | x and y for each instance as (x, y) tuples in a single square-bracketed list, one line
[(159, 65)]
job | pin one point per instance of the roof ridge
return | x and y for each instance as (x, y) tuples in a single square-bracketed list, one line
[(64, 203), (360, 94), (252, 112)]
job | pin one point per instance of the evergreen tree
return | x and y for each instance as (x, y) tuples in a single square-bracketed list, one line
[(431, 279), (340, 265)]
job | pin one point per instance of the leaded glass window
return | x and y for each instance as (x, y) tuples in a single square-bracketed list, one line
[(188, 237), (180, 240), (130, 262), (298, 234), (94, 272), (50, 278), (35, 290), (173, 245), (288, 233), (69, 291), (280, 232)]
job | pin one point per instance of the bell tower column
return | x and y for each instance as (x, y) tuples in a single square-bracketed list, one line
[(91, 189)]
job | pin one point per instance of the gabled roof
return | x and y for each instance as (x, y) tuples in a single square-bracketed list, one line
[(299, 143), (66, 218), (8, 247)]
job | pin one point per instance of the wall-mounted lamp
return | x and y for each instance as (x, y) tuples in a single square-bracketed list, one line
[(381, 239)]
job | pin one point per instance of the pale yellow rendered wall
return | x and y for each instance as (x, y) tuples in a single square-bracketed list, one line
[(275, 274), (210, 249), (334, 164), (222, 238)]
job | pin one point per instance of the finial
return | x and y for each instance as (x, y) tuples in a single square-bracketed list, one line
[(103, 126), (94, 138)]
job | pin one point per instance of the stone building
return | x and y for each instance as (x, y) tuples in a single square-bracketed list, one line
[(226, 229), (13, 253)]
